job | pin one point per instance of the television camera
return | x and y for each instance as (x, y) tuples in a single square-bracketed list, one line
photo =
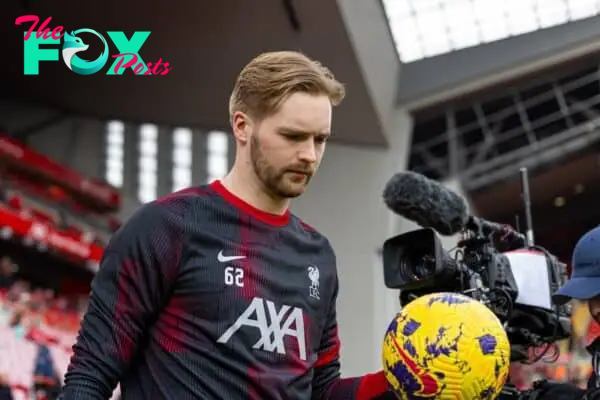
[(492, 263)]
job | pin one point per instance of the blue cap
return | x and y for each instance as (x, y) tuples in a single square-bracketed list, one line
[(584, 283)]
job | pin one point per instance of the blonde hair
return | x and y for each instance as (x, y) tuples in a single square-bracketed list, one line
[(269, 79)]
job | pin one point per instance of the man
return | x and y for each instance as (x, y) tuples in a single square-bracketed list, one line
[(584, 285), (218, 292)]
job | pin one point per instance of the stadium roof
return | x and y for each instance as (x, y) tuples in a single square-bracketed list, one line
[(426, 28), (206, 46)]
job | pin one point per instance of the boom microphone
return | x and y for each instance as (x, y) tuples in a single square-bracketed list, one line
[(426, 202), (432, 205)]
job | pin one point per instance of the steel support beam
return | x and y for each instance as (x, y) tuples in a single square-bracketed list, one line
[(455, 153), (489, 135), (550, 149), (524, 118), (563, 104), (431, 162)]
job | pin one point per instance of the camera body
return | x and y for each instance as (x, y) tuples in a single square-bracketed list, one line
[(492, 264)]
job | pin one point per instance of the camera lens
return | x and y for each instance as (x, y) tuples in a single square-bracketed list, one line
[(423, 269), (416, 267)]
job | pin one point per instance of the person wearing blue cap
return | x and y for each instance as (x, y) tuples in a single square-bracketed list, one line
[(584, 285)]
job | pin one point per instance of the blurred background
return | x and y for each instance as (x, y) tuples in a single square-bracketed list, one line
[(463, 91)]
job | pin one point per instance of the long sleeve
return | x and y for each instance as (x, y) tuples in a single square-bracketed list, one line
[(132, 285), (327, 384)]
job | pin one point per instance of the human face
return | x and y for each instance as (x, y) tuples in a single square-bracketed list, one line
[(286, 148), (594, 307)]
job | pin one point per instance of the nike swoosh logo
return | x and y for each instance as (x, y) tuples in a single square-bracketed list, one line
[(223, 258)]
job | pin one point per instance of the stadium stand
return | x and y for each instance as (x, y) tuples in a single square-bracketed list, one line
[(54, 224)]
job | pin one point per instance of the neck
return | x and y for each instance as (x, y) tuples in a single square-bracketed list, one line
[(244, 183)]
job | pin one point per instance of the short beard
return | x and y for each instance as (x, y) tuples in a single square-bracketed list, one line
[(272, 179)]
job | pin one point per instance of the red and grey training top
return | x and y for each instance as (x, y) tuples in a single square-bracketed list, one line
[(201, 296)]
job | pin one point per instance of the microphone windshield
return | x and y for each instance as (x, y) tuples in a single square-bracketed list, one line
[(426, 202)]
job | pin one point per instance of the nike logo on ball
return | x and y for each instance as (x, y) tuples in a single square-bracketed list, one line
[(223, 258)]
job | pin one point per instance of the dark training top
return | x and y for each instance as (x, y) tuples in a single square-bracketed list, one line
[(201, 296)]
